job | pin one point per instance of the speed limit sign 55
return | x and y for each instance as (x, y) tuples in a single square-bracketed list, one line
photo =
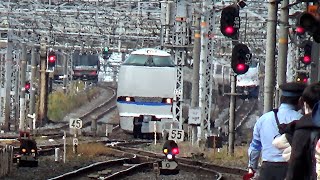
[(176, 135)]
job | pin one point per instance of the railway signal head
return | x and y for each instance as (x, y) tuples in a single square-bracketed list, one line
[(302, 77), (240, 59), (106, 53), (170, 149), (230, 21), (307, 50), (310, 24), (51, 61), (27, 87)]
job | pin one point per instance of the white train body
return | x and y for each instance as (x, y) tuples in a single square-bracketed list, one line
[(146, 90), (248, 83)]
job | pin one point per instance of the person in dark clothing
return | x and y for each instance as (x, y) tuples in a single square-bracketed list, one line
[(302, 161)]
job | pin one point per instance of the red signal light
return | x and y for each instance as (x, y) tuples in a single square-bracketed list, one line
[(175, 151), (305, 80), (229, 30), (300, 30), (241, 67), (52, 58), (306, 59), (27, 86)]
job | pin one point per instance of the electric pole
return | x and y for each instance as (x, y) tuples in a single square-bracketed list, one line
[(33, 78), (283, 48), (23, 67), (269, 73), (65, 72), (195, 75), (7, 86), (315, 75), (43, 84)]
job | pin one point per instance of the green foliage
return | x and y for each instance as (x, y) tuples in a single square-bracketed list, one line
[(60, 104)]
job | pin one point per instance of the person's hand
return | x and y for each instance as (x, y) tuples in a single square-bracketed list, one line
[(249, 174)]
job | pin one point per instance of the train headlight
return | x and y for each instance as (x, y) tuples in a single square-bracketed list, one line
[(32, 150), (24, 150), (128, 99), (167, 100)]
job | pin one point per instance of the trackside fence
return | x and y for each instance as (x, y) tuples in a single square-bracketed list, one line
[(6, 163)]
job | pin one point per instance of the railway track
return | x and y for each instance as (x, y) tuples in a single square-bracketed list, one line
[(87, 118), (137, 161), (146, 160)]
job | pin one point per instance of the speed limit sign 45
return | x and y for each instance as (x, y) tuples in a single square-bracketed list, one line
[(75, 123), (176, 135)]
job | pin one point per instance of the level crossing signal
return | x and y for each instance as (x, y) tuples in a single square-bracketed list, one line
[(307, 22), (230, 21), (307, 50), (51, 61), (241, 58)]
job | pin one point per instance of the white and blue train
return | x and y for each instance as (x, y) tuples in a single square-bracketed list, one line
[(248, 84), (146, 83)]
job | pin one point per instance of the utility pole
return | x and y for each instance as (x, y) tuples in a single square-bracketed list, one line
[(195, 75), (33, 78), (65, 72), (269, 77), (315, 75), (7, 86), (231, 134), (283, 48), (23, 70), (43, 84), (203, 57)]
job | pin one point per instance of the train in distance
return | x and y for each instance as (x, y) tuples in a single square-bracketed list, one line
[(146, 84)]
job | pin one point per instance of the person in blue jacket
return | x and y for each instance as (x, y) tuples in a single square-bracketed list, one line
[(274, 166)]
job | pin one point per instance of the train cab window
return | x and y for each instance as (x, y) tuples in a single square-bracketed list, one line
[(148, 60), (85, 60), (218, 69)]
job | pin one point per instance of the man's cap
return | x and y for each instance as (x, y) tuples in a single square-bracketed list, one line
[(292, 89)]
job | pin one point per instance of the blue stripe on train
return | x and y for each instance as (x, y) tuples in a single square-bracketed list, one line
[(145, 103)]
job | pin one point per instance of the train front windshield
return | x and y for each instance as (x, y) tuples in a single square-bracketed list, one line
[(149, 60), (85, 60)]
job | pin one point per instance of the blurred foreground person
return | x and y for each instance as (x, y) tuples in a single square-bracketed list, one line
[(305, 134)]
